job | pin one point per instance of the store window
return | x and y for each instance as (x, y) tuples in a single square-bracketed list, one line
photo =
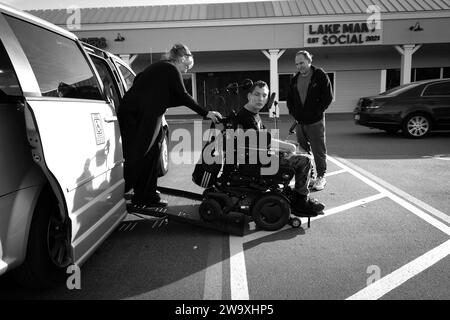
[(283, 85), (212, 88), (426, 73), (212, 92), (446, 72), (188, 80), (392, 78), (417, 74), (60, 67)]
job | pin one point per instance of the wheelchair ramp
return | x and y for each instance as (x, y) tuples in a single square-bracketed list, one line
[(183, 207)]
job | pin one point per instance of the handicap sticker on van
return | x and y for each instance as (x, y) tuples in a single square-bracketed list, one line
[(98, 128)]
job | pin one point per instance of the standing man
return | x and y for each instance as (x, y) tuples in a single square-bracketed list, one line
[(158, 87), (309, 95)]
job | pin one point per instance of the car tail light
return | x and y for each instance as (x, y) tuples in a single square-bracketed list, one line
[(368, 104), (363, 102)]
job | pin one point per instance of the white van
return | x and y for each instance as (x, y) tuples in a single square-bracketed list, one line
[(117, 78), (61, 162)]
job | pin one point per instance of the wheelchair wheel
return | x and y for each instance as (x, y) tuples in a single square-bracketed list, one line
[(210, 210), (271, 212), (295, 222)]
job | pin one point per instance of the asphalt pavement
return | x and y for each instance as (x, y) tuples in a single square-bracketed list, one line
[(385, 234)]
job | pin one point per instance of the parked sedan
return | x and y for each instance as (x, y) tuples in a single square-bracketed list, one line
[(415, 108)]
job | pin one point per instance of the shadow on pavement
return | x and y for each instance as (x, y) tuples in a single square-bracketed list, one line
[(286, 234), (152, 262)]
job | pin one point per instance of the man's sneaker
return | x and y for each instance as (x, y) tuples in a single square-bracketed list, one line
[(320, 183)]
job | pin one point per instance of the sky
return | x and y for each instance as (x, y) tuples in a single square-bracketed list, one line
[(63, 4)]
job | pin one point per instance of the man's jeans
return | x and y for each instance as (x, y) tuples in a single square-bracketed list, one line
[(311, 137), (302, 165)]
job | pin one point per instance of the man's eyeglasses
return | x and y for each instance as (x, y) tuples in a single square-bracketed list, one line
[(189, 55)]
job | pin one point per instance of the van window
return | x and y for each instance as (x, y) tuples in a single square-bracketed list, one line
[(127, 75), (9, 85), (59, 65), (111, 90)]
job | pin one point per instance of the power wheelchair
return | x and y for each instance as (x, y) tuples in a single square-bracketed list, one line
[(265, 199)]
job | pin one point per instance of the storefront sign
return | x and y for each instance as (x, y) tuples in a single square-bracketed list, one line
[(341, 34)]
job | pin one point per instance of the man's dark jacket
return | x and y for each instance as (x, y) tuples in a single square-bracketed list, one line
[(319, 97), (158, 87)]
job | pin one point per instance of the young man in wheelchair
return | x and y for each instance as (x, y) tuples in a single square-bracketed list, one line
[(248, 119)]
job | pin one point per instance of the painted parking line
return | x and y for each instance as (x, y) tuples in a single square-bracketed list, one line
[(436, 213), (238, 272), (396, 278), (381, 186), (444, 157), (408, 271), (261, 234), (239, 285), (328, 174)]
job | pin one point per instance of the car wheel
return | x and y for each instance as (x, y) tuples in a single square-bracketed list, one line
[(416, 126), (163, 166), (48, 250)]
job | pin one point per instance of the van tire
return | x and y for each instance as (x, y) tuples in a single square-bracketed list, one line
[(47, 234), (163, 164)]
